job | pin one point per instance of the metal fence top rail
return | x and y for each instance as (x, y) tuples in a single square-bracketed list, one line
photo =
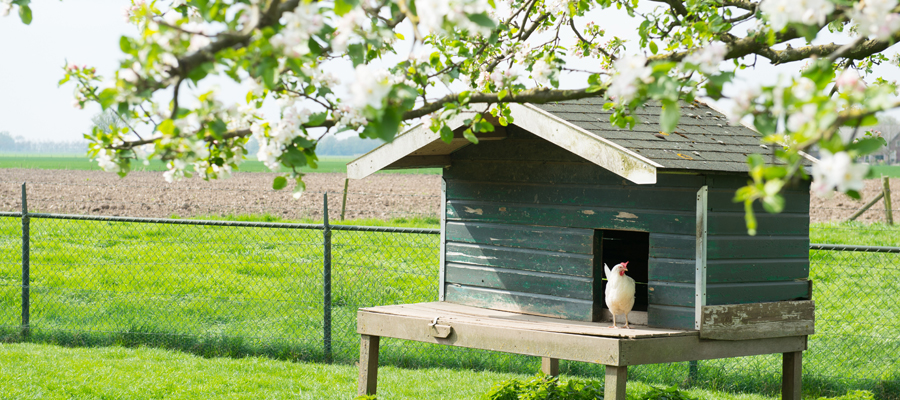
[(851, 247), (243, 224)]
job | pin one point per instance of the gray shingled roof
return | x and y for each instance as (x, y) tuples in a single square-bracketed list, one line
[(703, 139)]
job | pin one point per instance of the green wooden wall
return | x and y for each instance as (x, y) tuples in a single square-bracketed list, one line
[(521, 220)]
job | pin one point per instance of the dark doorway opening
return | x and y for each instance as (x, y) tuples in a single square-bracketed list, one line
[(613, 247)]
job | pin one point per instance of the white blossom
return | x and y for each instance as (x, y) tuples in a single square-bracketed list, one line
[(5, 7), (105, 162), (709, 57), (371, 86), (850, 81), (804, 89), (837, 172), (807, 12), (743, 103), (434, 13), (630, 72), (347, 26), (349, 117), (799, 119), (299, 26), (543, 72), (875, 18)]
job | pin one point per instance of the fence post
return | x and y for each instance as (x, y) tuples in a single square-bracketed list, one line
[(888, 213), (326, 284), (344, 202), (26, 266)]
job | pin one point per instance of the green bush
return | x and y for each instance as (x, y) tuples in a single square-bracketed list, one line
[(545, 387), (852, 395), (669, 393)]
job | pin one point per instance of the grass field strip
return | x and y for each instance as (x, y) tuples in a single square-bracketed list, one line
[(241, 287)]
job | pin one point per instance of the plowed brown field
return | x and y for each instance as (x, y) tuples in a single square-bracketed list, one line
[(383, 196)]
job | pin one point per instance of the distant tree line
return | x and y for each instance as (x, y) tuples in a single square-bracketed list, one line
[(329, 146), (18, 144)]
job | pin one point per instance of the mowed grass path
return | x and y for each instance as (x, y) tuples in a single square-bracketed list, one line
[(40, 371), (82, 163), (230, 291)]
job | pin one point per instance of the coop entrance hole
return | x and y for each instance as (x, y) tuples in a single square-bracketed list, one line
[(613, 247)]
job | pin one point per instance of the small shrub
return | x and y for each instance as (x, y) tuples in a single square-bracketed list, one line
[(544, 387), (669, 393), (852, 395)]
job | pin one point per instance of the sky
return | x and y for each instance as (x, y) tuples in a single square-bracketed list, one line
[(32, 105)]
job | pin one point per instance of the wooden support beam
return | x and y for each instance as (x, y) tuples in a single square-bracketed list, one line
[(550, 366), (616, 378), (792, 372), (368, 364), (888, 212), (865, 207)]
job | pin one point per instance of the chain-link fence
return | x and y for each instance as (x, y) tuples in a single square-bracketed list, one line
[(220, 287)]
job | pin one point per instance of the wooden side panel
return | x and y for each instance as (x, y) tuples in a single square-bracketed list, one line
[(682, 294), (587, 194), (571, 216), (757, 270), (671, 317), (672, 270), (521, 281), (523, 259), (744, 247), (579, 241), (721, 200), (758, 320), (574, 309), (672, 246), (733, 223), (555, 172)]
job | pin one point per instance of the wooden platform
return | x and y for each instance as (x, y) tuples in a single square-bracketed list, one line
[(554, 339)]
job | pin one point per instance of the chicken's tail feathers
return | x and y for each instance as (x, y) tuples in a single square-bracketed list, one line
[(606, 270)]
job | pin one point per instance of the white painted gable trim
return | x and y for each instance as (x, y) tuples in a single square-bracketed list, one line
[(609, 155)]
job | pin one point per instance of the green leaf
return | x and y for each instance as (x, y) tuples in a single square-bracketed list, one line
[(357, 54), (502, 94), (773, 204), (279, 183), (317, 119), (124, 44), (765, 124), (446, 134), (653, 47), (342, 7), (483, 19), (668, 120), (167, 127), (25, 14), (464, 97), (107, 97), (866, 145)]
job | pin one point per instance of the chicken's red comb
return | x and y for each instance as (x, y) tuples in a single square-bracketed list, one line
[(625, 264)]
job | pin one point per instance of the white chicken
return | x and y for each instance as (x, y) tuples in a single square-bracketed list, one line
[(619, 292)]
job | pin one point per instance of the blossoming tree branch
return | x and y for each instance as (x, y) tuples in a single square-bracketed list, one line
[(475, 57)]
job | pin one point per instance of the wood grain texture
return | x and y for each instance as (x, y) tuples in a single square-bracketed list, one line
[(522, 259), (687, 348), (758, 320), (521, 281), (570, 216), (616, 380), (791, 375), (526, 303), (368, 365), (670, 317), (743, 247), (566, 240), (784, 224), (681, 294)]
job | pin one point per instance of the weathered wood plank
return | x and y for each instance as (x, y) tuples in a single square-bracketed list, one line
[(672, 269), (550, 306), (720, 200), (616, 379), (742, 247), (791, 375), (579, 241), (521, 281), (680, 294), (733, 223), (550, 366), (575, 217), (522, 259), (730, 271), (670, 317), (672, 246), (368, 365), (758, 320), (593, 349), (451, 313), (583, 194), (548, 172), (688, 348)]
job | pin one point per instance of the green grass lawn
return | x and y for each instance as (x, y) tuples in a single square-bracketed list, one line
[(236, 291), (41, 371), (892, 171), (77, 162)]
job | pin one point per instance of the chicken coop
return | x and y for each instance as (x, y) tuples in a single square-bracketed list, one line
[(533, 211)]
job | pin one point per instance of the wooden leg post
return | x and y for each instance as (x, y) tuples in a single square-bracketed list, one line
[(616, 377), (550, 366), (791, 375), (368, 364)]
